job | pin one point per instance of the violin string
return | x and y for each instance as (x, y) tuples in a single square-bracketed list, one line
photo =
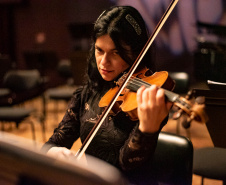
[(137, 82), (140, 82)]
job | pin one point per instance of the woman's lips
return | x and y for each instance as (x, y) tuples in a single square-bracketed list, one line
[(104, 71)]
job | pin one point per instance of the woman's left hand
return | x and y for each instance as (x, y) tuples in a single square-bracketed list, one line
[(152, 108)]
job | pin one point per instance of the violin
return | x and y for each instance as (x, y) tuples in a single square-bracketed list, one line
[(127, 101)]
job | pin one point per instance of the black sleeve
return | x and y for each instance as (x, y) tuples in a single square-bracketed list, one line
[(138, 148), (68, 130)]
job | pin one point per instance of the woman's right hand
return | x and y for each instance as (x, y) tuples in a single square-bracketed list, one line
[(152, 108), (60, 153)]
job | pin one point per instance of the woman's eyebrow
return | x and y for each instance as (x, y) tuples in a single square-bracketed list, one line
[(98, 47)]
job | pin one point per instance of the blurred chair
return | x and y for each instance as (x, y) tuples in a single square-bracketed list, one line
[(210, 162), (182, 80), (45, 61), (20, 82), (17, 115), (173, 159), (64, 71), (20, 86), (5, 65), (172, 163), (65, 92)]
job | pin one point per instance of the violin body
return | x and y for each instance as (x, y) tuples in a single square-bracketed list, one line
[(127, 100)]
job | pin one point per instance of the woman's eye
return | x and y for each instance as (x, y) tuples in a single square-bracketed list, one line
[(116, 53), (98, 49)]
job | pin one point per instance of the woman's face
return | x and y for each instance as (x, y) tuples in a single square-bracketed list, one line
[(109, 62)]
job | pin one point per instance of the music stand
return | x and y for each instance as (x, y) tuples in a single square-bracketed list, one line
[(23, 164)]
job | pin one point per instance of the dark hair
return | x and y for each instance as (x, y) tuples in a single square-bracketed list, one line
[(127, 29)]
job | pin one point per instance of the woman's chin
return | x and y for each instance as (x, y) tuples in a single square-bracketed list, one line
[(107, 78)]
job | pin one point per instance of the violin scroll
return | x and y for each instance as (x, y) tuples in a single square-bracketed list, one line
[(191, 109)]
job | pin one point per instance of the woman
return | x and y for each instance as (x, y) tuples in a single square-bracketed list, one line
[(119, 36)]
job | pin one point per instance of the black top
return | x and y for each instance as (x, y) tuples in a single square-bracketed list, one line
[(118, 141)]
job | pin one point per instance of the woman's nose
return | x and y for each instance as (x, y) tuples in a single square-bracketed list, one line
[(105, 59)]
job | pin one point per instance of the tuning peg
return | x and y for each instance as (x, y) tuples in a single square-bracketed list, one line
[(186, 123), (200, 100), (189, 95), (177, 114)]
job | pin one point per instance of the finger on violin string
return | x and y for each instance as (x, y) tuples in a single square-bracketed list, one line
[(152, 90), (147, 95), (149, 87), (151, 93), (154, 87), (139, 94), (160, 95)]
